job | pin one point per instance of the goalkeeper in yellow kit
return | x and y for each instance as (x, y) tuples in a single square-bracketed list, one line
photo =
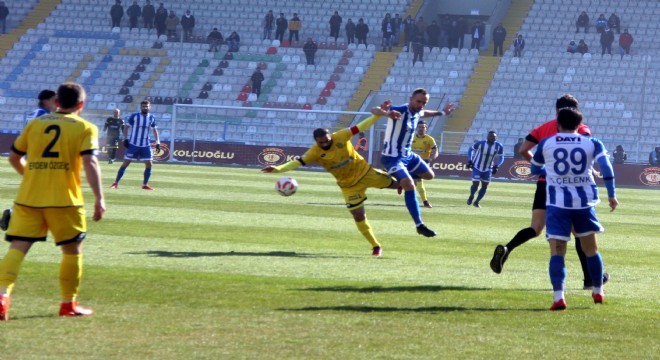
[(424, 145), (335, 152)]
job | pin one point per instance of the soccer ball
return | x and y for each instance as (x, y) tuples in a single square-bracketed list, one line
[(286, 186)]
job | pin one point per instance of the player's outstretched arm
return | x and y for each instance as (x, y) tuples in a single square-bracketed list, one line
[(93, 174), (446, 110), (291, 165)]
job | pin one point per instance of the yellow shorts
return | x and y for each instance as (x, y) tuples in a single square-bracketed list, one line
[(356, 195), (67, 225)]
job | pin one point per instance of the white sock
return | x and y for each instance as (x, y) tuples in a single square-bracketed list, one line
[(559, 294), (597, 290)]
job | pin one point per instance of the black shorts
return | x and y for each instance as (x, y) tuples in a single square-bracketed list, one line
[(539, 196)]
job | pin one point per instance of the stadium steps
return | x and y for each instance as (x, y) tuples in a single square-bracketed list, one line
[(461, 119), (513, 21), (38, 15)]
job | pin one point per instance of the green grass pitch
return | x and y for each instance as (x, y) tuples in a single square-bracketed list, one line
[(214, 264)]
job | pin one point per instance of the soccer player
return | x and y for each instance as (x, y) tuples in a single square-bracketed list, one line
[(49, 154), (112, 126), (46, 104), (424, 145), (137, 144), (400, 161), (481, 159), (539, 133), (566, 160), (354, 175)]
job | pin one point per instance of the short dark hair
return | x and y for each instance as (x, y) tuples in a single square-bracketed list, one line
[(145, 102), (422, 122), (569, 118), (46, 94), (320, 132), (70, 94), (420, 91), (567, 101)]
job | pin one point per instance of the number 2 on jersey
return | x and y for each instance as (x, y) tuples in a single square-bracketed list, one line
[(47, 151), (577, 158)]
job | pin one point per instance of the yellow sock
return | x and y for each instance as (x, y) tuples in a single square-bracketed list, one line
[(365, 229), (70, 275), (421, 190), (9, 267)]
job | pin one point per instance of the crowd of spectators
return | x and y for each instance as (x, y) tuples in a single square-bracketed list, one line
[(604, 27)]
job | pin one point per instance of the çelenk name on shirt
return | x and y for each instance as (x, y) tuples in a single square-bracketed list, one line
[(48, 165)]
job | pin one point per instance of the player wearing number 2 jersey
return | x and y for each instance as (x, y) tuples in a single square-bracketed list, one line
[(49, 154), (567, 159)]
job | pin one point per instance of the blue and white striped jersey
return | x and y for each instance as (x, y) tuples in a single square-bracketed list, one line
[(482, 154), (399, 134), (36, 113), (568, 160), (141, 126)]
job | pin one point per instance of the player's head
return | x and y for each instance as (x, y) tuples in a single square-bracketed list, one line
[(323, 138), (117, 113), (569, 118), (70, 97), (145, 106), (47, 99), (418, 100), (491, 137), (422, 126), (566, 101)]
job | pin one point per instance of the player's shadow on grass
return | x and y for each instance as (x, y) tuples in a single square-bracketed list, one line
[(191, 254), (427, 309), (344, 205), (381, 289)]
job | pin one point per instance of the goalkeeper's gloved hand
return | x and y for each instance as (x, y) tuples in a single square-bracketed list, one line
[(495, 170), (125, 143), (470, 164), (157, 147)]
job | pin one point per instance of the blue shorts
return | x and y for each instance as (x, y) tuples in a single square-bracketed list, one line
[(140, 153), (481, 175), (559, 223), (402, 166)]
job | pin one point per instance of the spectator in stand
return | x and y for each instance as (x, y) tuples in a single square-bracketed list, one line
[(462, 30), (433, 35), (444, 30), (654, 156), (625, 41), (294, 27), (418, 48), (421, 26), (582, 47), (499, 34), (233, 42), (281, 24), (134, 12), (116, 13), (160, 20), (310, 49), (409, 28), (361, 31), (619, 155), (398, 23), (148, 14), (614, 22), (257, 78), (215, 40), (269, 25), (4, 12), (171, 23), (387, 27), (188, 25), (582, 21), (454, 34), (606, 40), (572, 47), (516, 149), (335, 25), (601, 24), (518, 46), (350, 31), (477, 32)]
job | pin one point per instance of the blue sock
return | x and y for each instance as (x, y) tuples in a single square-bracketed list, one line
[(482, 192), (595, 265), (120, 173), (147, 175), (557, 272), (413, 206)]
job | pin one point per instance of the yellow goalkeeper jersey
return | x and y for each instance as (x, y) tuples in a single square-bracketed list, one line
[(54, 145), (422, 146), (341, 160)]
